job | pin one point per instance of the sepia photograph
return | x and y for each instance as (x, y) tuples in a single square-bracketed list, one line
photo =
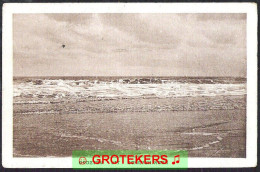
[(129, 81)]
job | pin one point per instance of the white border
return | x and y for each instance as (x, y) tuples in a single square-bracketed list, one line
[(7, 119)]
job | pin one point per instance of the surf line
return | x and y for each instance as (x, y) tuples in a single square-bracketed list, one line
[(118, 143), (218, 139)]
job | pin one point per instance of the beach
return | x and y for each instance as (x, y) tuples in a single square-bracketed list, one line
[(205, 126)]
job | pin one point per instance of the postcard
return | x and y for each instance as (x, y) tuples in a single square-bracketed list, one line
[(129, 76)]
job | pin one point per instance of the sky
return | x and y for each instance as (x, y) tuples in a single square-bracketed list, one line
[(129, 44)]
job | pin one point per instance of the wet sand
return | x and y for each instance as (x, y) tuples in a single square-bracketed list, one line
[(115, 105), (205, 126)]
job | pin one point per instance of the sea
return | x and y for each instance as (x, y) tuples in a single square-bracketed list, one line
[(44, 89)]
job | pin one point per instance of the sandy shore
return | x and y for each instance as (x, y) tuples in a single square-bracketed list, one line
[(216, 133), (205, 126), (133, 105)]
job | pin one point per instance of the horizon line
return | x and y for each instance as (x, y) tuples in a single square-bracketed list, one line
[(134, 76)]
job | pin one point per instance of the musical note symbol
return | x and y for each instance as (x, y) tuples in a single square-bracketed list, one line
[(177, 161)]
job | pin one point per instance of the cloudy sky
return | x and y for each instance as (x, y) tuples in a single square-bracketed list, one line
[(129, 44)]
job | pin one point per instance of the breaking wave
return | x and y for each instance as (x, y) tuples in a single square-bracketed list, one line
[(36, 89)]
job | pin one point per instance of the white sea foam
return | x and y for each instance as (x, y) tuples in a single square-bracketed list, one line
[(57, 89)]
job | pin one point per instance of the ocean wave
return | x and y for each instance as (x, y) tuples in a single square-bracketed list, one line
[(121, 88)]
